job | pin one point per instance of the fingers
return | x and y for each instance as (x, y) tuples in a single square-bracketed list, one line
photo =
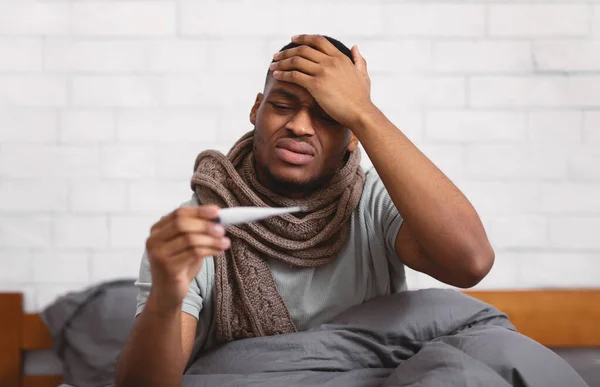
[(203, 212), (359, 60), (296, 63), (191, 241), (180, 226), (318, 42), (306, 52), (296, 77), (193, 253)]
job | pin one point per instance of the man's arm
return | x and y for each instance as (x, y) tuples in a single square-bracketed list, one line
[(442, 235), (162, 337), (158, 348)]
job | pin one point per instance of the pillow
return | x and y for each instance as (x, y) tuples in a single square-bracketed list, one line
[(90, 328)]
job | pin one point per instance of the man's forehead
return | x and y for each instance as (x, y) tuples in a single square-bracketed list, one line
[(291, 92)]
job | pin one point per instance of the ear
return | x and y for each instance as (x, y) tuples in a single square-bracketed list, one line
[(353, 143), (259, 98)]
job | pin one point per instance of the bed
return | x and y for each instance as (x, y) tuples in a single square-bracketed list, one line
[(567, 321)]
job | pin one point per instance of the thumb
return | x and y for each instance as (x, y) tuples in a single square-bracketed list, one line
[(359, 61)]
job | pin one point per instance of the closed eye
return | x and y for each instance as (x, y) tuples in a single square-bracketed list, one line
[(280, 107), (329, 120)]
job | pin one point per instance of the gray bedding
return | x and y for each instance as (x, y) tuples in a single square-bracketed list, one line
[(437, 338), (421, 338)]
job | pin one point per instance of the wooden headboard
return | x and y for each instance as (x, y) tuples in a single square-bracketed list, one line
[(554, 318), (21, 332)]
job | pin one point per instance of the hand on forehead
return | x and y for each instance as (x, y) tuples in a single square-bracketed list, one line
[(312, 47)]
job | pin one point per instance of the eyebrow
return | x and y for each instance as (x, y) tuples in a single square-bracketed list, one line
[(285, 93), (288, 94)]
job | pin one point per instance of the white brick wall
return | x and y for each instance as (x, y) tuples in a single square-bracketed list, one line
[(105, 104)]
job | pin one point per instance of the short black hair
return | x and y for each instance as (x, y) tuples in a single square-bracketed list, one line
[(339, 45)]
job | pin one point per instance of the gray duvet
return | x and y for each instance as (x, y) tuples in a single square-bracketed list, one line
[(425, 338), (431, 337)]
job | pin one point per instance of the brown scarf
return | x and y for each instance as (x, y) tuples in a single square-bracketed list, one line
[(247, 301)]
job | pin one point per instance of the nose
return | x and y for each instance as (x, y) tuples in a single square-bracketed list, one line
[(301, 124)]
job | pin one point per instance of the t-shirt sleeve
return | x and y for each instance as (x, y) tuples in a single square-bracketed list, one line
[(386, 221), (192, 303)]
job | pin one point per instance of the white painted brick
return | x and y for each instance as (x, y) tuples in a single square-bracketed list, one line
[(15, 265), (176, 161), (148, 18), (98, 196), (119, 91), (32, 125), (571, 198), (48, 161), (595, 20), (412, 278), (591, 127), (396, 56), (560, 270), (504, 274), (271, 17), (482, 56), (33, 90), (61, 267), (567, 55), (502, 198), (585, 163), (84, 126), (24, 195), (86, 55), (183, 56), (81, 231), (407, 92), (20, 54), (25, 231), (409, 121), (457, 20), (106, 266), (516, 161), (316, 18), (234, 121), (560, 127), (167, 126), (131, 231), (209, 90), (46, 294), (449, 158), (519, 231), (240, 56), (28, 291), (476, 126), (575, 233), (544, 91), (128, 161), (34, 18), (229, 19), (538, 20), (157, 196)]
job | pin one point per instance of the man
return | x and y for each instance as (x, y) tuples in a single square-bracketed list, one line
[(199, 288)]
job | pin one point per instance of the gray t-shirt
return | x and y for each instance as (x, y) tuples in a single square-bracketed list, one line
[(366, 267)]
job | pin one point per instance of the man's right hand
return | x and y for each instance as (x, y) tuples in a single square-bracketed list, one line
[(177, 246)]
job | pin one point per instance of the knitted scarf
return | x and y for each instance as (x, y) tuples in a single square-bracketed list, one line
[(247, 301)]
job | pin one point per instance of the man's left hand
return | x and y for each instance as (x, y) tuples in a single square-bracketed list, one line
[(341, 88)]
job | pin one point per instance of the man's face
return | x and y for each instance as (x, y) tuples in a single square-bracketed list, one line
[(297, 146)]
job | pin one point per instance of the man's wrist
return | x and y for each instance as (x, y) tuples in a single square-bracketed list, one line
[(366, 119)]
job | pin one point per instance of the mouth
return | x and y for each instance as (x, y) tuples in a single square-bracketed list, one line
[(294, 152)]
